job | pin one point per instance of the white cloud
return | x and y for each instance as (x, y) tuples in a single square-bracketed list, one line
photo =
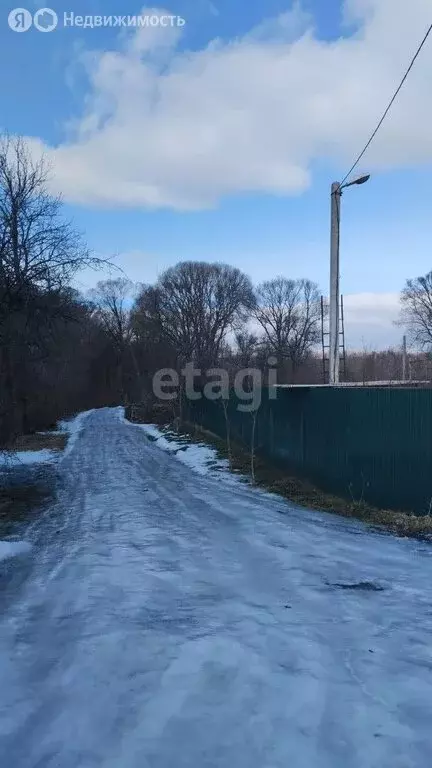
[(285, 28), (163, 127), (370, 321)]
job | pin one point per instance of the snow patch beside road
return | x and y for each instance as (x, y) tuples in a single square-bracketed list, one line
[(199, 457), (10, 549), (10, 459), (73, 427)]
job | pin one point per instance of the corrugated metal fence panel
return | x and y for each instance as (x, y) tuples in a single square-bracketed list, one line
[(363, 443), (369, 444)]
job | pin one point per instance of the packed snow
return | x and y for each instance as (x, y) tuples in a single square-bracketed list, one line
[(167, 618)]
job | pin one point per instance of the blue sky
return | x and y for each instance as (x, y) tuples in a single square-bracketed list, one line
[(219, 141)]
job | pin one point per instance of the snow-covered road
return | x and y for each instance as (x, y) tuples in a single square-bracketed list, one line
[(167, 619)]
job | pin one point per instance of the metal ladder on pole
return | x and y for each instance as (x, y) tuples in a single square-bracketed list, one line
[(325, 346)]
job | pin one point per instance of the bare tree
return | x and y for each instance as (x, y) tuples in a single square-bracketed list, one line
[(416, 310), (111, 300), (152, 349), (247, 348), (145, 317), (306, 332), (37, 246), (39, 254), (196, 304), (288, 312)]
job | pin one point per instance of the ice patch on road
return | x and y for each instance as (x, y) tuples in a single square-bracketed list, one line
[(10, 549)]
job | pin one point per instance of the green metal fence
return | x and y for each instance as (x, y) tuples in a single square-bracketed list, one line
[(370, 444)]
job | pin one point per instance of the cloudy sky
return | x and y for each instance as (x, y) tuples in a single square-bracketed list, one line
[(219, 140)]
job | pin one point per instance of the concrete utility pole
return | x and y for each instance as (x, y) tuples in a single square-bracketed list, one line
[(334, 356), (334, 340)]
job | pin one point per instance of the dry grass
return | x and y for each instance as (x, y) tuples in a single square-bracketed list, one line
[(307, 495), (18, 501), (39, 441), (15, 501)]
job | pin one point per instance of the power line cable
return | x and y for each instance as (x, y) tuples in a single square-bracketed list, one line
[(395, 95)]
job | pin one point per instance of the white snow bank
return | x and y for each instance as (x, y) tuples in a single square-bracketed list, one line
[(73, 428), (12, 548), (200, 458), (17, 458), (52, 432)]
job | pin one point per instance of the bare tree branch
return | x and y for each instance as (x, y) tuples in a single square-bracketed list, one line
[(194, 305), (416, 310), (288, 312)]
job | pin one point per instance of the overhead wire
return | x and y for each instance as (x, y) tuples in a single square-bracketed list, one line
[(389, 106)]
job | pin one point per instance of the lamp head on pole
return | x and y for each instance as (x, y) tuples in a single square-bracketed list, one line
[(359, 180)]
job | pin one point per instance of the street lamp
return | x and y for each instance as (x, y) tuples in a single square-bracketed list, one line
[(334, 351), (360, 180)]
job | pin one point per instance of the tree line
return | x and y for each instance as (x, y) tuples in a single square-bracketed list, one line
[(61, 351)]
